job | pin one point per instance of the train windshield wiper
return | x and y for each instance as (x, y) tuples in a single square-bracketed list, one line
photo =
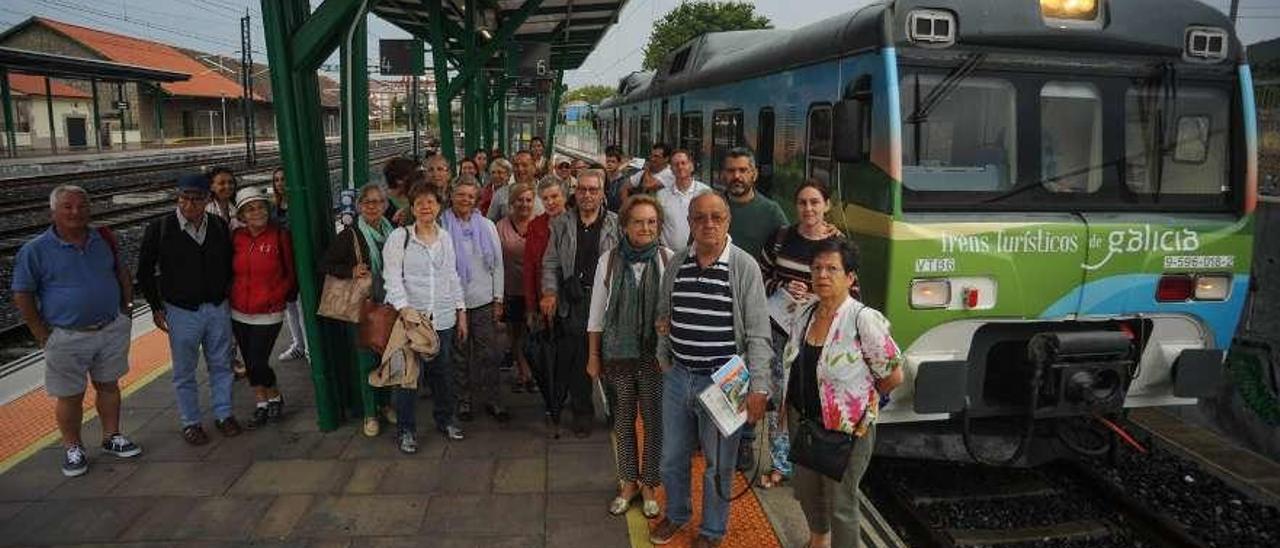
[(943, 89)]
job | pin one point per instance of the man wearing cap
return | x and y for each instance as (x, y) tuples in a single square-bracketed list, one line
[(75, 295), (184, 270)]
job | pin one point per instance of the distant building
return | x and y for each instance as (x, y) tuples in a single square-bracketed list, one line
[(70, 112), (191, 111)]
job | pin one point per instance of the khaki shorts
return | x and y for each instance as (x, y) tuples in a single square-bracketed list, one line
[(70, 355)]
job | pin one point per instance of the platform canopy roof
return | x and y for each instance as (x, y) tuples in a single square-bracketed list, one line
[(79, 68), (572, 27)]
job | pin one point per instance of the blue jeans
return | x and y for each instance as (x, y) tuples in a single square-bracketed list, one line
[(685, 426), (209, 327), (436, 373)]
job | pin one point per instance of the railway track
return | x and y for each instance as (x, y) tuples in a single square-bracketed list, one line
[(1061, 504), (149, 199)]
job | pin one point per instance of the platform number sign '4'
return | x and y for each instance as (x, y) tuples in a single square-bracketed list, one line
[(401, 57)]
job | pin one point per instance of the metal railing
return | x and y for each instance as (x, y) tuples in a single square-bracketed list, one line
[(581, 138)]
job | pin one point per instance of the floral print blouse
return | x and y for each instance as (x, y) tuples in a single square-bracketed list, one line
[(858, 351)]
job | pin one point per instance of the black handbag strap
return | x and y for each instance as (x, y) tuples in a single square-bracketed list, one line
[(804, 340)]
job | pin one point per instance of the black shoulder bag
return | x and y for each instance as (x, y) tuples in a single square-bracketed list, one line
[(812, 445)]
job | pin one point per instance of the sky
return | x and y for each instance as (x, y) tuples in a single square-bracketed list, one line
[(213, 26)]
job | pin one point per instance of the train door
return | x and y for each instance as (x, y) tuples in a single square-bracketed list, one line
[(764, 149), (691, 140), (77, 132)]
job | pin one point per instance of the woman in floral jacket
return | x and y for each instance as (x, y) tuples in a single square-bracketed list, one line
[(840, 357)]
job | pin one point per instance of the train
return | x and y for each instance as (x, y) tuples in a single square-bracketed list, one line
[(1054, 199)]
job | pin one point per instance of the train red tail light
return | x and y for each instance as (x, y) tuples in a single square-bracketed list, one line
[(1175, 288)]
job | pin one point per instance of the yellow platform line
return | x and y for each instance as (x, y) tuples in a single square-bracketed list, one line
[(89, 414)]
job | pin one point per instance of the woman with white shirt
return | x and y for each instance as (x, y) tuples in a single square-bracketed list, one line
[(623, 303), (480, 270), (420, 271)]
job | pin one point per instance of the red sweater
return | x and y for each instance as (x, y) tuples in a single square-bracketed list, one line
[(262, 272), (536, 240)]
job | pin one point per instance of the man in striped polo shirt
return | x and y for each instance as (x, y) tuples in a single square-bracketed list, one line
[(711, 308)]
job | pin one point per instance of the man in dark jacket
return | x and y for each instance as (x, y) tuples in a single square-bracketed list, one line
[(184, 269), (578, 237)]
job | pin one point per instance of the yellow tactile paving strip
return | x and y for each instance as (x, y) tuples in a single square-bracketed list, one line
[(27, 423), (749, 527)]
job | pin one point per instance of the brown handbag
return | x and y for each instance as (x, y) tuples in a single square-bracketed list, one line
[(342, 299), (376, 322), (378, 319)]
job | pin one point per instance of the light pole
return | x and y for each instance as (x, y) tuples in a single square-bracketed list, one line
[(211, 113), (224, 118)]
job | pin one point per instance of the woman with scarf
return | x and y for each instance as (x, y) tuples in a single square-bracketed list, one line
[(480, 269), (369, 234), (623, 301)]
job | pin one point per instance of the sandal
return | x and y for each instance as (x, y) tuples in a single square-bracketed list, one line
[(771, 480), (194, 434), (619, 505)]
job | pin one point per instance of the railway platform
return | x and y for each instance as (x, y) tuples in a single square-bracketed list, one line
[(289, 484), (27, 166)]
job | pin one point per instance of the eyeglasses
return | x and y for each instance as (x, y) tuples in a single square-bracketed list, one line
[(373, 201), (184, 197), (704, 219), (589, 189)]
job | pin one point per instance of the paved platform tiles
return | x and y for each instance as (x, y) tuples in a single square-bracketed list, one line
[(291, 485), (1239, 467)]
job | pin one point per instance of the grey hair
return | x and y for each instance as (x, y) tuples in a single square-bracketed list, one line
[(703, 194), (595, 173), (548, 182), (464, 180), (743, 152), (502, 163), (366, 189), (60, 190)]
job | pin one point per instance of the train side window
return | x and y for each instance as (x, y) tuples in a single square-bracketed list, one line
[(726, 133), (646, 134), (764, 148), (818, 147), (671, 133), (691, 135)]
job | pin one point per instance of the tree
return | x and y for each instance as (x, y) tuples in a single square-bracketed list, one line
[(692, 19), (592, 94)]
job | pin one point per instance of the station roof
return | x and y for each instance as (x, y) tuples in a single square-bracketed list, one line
[(28, 84), (63, 66), (572, 27)]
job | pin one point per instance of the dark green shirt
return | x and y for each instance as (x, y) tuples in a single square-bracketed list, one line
[(753, 223)]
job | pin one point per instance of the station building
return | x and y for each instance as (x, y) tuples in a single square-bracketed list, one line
[(200, 110)]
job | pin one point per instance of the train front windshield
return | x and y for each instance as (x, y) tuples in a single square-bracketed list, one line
[(975, 139)]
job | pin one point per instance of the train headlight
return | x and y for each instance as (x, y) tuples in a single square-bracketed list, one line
[(1078, 10), (1213, 287), (930, 293)]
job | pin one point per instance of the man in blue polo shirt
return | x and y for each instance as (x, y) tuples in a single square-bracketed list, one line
[(75, 296)]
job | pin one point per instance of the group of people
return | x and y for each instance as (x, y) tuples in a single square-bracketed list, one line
[(648, 281), (218, 274)]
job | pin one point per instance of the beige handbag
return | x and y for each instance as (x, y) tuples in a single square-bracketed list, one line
[(341, 299)]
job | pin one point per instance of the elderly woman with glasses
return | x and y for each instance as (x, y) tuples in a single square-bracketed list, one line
[(623, 303), (366, 236)]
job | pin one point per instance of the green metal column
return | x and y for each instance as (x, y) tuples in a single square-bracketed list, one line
[(470, 102), (6, 97), (296, 42), (440, 67), (554, 115), (502, 115), (355, 106), (486, 113)]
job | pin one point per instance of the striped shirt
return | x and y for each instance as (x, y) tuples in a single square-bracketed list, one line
[(702, 315)]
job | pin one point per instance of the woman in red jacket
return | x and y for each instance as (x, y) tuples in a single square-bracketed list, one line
[(262, 283), (537, 238)]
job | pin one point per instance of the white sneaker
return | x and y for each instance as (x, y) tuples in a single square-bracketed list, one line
[(292, 353), (75, 462)]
